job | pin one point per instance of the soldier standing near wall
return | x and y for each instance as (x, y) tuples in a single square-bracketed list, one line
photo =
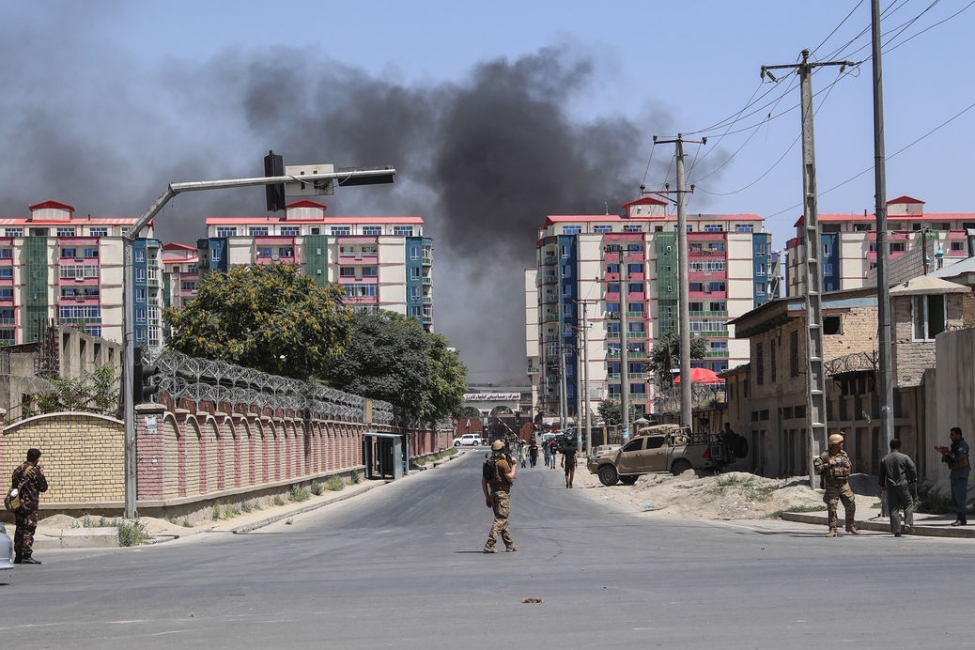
[(957, 458), (835, 468), (30, 477)]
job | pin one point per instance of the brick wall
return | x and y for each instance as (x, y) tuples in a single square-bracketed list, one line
[(184, 457)]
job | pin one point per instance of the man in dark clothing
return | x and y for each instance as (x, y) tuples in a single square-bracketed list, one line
[(957, 458), (569, 462), (30, 477), (897, 475), (533, 452)]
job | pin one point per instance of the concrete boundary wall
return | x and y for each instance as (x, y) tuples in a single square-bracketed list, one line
[(187, 461)]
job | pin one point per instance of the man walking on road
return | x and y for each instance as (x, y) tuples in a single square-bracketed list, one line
[(897, 475), (569, 455), (30, 478), (957, 458), (498, 475), (835, 467)]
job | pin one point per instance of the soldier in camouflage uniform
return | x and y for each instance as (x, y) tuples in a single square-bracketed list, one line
[(835, 467), (499, 498), (34, 483)]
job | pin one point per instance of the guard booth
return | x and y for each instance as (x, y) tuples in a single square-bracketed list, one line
[(385, 455)]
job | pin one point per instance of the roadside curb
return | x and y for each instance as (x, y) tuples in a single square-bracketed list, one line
[(921, 529), (267, 521)]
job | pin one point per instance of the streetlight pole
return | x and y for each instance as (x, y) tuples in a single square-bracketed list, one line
[(128, 292)]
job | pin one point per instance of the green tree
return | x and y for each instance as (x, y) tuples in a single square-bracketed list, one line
[(96, 391), (611, 411), (665, 355), (271, 318), (392, 358)]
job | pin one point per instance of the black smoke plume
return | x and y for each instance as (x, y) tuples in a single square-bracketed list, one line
[(483, 159)]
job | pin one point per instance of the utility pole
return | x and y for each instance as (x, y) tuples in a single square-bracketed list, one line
[(880, 188), (584, 389), (624, 354), (683, 284), (815, 374)]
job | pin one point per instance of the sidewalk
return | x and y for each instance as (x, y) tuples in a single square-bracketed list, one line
[(924, 524)]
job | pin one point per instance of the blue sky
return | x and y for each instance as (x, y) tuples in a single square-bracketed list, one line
[(494, 113)]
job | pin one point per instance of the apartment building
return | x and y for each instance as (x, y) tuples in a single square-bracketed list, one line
[(915, 240), (62, 269), (616, 275), (380, 262)]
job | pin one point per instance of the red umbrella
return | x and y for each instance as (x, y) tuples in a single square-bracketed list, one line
[(701, 376)]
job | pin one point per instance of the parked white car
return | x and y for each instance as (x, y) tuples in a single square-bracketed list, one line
[(6, 549), (468, 440)]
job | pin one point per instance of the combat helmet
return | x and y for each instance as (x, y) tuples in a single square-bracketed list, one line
[(497, 445), (835, 439)]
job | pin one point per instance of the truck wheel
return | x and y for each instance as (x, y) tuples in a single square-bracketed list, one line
[(741, 447), (628, 480), (608, 475), (679, 467)]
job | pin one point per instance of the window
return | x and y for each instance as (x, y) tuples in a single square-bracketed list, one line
[(403, 231), (13, 232), (286, 251), (603, 229), (416, 293), (634, 268), (140, 275), (613, 327), (65, 231), (695, 306), (227, 231), (744, 227), (6, 294), (957, 245), (831, 325), (414, 252), (290, 231), (346, 271), (630, 227), (372, 231), (263, 252), (98, 232), (370, 271), (759, 363), (759, 249), (140, 315), (897, 247), (928, 317), (67, 253), (718, 306), (634, 287), (92, 251), (188, 285), (257, 231), (713, 227), (415, 273), (571, 230), (6, 273), (794, 354), (338, 231), (771, 361), (140, 295)]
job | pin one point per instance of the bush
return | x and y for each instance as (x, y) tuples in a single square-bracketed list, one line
[(278, 501), (317, 489), (130, 533), (354, 477), (335, 483), (298, 494)]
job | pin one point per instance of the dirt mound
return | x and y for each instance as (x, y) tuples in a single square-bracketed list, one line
[(735, 495)]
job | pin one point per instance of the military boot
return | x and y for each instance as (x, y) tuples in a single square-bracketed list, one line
[(850, 528), (831, 533), (18, 558)]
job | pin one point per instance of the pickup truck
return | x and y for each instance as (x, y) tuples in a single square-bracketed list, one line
[(666, 448), (468, 440)]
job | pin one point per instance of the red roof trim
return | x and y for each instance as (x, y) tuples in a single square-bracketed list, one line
[(50, 203)]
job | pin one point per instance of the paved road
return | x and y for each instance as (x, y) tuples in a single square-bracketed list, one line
[(401, 566)]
